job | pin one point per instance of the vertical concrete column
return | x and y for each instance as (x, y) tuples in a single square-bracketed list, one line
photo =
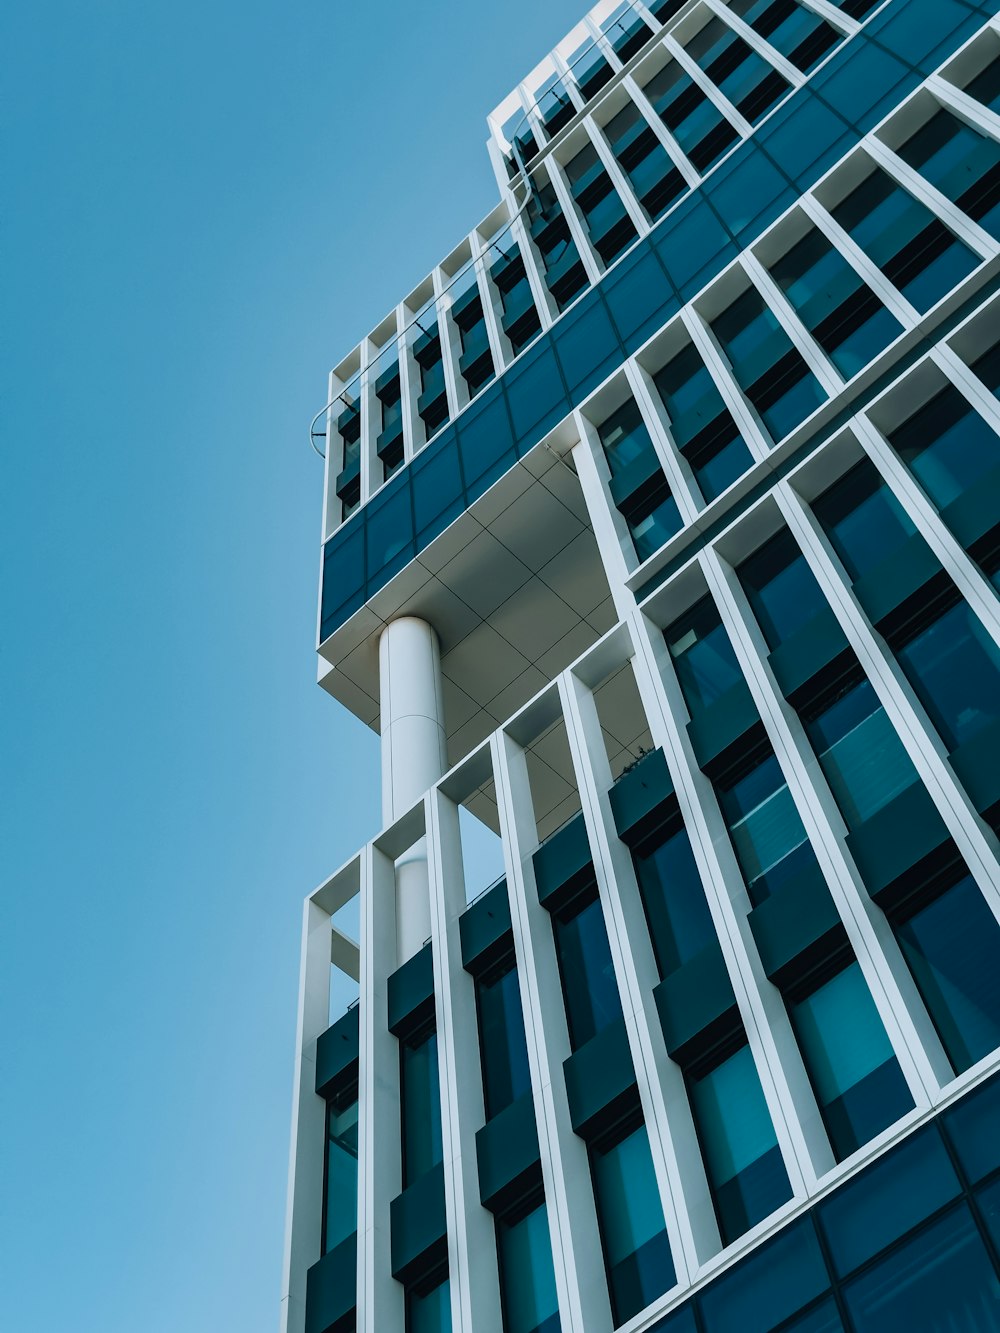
[(413, 758)]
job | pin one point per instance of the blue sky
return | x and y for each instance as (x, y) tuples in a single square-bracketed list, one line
[(206, 205)]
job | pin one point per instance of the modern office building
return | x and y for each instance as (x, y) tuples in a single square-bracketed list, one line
[(662, 540)]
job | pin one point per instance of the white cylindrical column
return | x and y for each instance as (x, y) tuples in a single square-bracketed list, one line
[(413, 757)]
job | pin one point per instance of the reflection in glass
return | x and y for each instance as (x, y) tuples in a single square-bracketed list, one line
[(527, 1278)]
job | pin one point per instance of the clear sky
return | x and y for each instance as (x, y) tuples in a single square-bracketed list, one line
[(205, 205)]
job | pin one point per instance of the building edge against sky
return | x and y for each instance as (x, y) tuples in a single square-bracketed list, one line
[(662, 535)]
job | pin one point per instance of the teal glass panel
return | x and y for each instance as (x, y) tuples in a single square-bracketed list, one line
[(650, 530), (769, 1286), (861, 755), (952, 947), (972, 1129), (343, 576), (954, 668), (700, 129), (745, 1169), (680, 923), (587, 971), (988, 1199), (502, 1043), (947, 445), (960, 162), (744, 77), (389, 529), (639, 295), (528, 1281), (485, 445), (823, 1318), (703, 656), (768, 368), (902, 1188), (340, 1194), (421, 1106), (985, 87), (799, 34), (767, 834), (587, 347), (849, 1058), (700, 423), (781, 588), (913, 248), (437, 485), (863, 519), (429, 1311), (636, 1250), (624, 438), (940, 1281)]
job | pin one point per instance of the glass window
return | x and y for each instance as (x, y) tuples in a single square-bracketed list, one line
[(767, 834), (680, 924), (947, 445), (767, 367), (428, 1309), (972, 1129), (633, 1232), (769, 1285), (914, 249), (703, 656), (745, 1169), (781, 588), (421, 1105), (740, 74), (940, 1281), (985, 87), (954, 668), (838, 308), (860, 753), (501, 1040), (855, 1075), (652, 174), (799, 34), (587, 971), (960, 162), (649, 510), (701, 130), (340, 1194), (952, 947), (527, 1278), (863, 519), (700, 423)]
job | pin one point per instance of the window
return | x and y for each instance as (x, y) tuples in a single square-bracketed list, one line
[(520, 319), (586, 968), (960, 162), (740, 74), (501, 1038), (340, 1186), (703, 656), (865, 522), (608, 224), (565, 276), (914, 249), (855, 1075), (589, 68), (842, 313), (799, 34), (680, 923), (633, 1233), (947, 446), (781, 588), (626, 31), (985, 87), (527, 1278), (649, 509), (701, 130), (766, 832), (421, 1105), (652, 175), (700, 423), (428, 1307), (765, 364), (432, 402), (746, 1172), (952, 947)]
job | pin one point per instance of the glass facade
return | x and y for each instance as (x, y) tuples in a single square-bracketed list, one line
[(340, 1185), (428, 1308), (767, 834), (701, 425), (587, 970), (527, 1278), (420, 1095), (501, 1039), (680, 923)]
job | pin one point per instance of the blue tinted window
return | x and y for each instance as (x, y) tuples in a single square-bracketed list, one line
[(502, 1041), (587, 971), (421, 1106), (775, 1281), (863, 519), (698, 126), (528, 1281), (902, 1188), (985, 87), (745, 1169), (340, 1192), (799, 34), (855, 1075), (703, 656), (767, 834), (680, 923), (948, 446), (429, 1310), (939, 1281), (700, 423), (972, 1128), (781, 588), (389, 529), (648, 508), (960, 162), (743, 76), (633, 1232), (952, 947), (954, 667), (823, 1318)]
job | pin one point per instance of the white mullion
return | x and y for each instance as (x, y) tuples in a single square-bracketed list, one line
[(499, 343), (726, 894), (566, 78), (588, 255), (409, 385), (304, 1209), (542, 297), (957, 100), (620, 183), (748, 423), (715, 95), (914, 1039), (636, 975), (834, 16), (955, 560), (584, 1305), (380, 1178), (796, 332), (448, 335), (472, 1254), (890, 295), (673, 150), (757, 43), (614, 541), (968, 383), (975, 237), (369, 415), (904, 710), (331, 500), (604, 46), (680, 477)]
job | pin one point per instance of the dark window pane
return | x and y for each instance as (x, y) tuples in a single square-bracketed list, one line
[(863, 519), (421, 1105), (947, 445), (781, 588), (960, 162), (764, 825), (527, 1278), (703, 656), (972, 1128), (429, 1311), (700, 423), (680, 923), (340, 1194), (502, 1040), (954, 667), (940, 1282), (952, 947), (822, 1319), (778, 1279), (587, 971)]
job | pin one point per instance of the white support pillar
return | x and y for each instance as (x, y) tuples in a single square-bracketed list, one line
[(413, 757)]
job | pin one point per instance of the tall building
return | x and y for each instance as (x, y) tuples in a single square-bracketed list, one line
[(662, 539)]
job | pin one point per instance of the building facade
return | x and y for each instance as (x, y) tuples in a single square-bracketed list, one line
[(662, 540)]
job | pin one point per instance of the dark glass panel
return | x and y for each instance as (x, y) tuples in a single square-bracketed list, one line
[(985, 87), (767, 834), (744, 77), (680, 923), (960, 162), (428, 1310), (947, 445), (703, 656), (421, 1106), (781, 588), (588, 975), (769, 1286), (954, 668), (501, 1040), (340, 1193), (863, 519), (700, 423), (700, 129), (972, 1129), (527, 1278)]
